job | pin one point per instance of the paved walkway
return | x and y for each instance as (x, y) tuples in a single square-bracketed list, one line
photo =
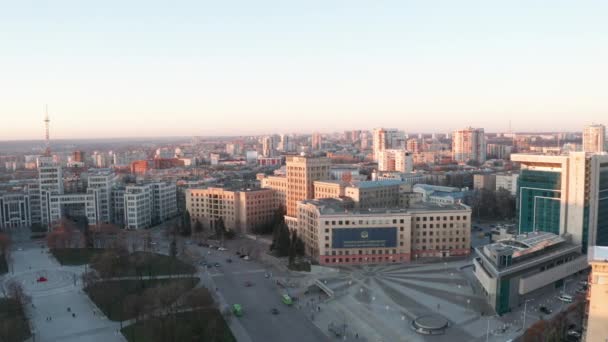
[(53, 297)]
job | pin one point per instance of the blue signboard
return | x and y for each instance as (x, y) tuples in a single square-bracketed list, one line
[(364, 237)]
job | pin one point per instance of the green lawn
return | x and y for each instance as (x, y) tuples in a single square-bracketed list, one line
[(13, 322), (206, 325), (110, 296), (75, 256), (3, 264)]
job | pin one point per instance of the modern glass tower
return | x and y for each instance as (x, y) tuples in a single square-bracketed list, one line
[(565, 194)]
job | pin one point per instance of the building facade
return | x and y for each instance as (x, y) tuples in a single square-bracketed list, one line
[(597, 295), (469, 144), (334, 235), (395, 160), (302, 171), (594, 139)]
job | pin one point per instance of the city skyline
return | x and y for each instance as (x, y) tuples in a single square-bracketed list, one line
[(236, 69)]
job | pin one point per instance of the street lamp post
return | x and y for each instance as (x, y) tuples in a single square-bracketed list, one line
[(523, 327)]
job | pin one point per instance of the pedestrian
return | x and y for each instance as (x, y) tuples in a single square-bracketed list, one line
[(73, 315), (357, 335)]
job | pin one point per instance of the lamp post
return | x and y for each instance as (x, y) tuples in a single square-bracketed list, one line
[(488, 327), (523, 326)]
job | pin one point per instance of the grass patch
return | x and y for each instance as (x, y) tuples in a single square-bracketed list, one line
[(200, 325), (13, 322), (110, 296), (150, 265), (75, 256), (3, 264)]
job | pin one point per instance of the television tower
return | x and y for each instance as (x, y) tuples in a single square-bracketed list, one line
[(47, 121)]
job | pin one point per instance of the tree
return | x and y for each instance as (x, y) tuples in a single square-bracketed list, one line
[(220, 228), (88, 241), (198, 227), (186, 224), (292, 247), (173, 247), (283, 241), (5, 246)]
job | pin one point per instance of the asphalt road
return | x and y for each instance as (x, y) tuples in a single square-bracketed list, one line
[(290, 324)]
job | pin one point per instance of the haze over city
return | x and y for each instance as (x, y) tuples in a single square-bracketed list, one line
[(142, 68)]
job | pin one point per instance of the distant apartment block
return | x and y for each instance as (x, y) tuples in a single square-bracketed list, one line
[(469, 144)]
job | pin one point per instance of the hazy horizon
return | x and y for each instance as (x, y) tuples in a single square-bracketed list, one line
[(200, 68)]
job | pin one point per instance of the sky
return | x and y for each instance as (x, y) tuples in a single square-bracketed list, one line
[(171, 68)]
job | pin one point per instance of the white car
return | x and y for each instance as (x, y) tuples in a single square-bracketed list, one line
[(222, 249), (246, 257), (565, 298)]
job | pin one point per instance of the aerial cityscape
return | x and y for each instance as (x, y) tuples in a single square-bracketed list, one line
[(328, 171)]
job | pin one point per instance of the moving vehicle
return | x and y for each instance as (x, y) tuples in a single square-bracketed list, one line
[(217, 264), (222, 249), (286, 299), (545, 310), (565, 298), (237, 310)]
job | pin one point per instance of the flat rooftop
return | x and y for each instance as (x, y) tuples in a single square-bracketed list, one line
[(337, 206)]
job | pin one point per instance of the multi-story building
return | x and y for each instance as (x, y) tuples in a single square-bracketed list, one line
[(507, 182), (469, 144), (498, 151), (279, 185), (594, 138), (335, 234), (103, 181), (268, 147), (395, 160), (387, 138), (50, 180), (440, 194), (484, 181), (316, 141), (413, 145), (411, 178), (512, 271), (15, 210), (302, 171), (597, 329), (564, 194), (381, 194), (164, 201), (241, 210), (74, 205), (138, 206), (329, 188)]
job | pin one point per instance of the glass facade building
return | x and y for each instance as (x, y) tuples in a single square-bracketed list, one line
[(539, 201)]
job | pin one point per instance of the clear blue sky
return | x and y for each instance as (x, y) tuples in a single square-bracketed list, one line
[(146, 68)]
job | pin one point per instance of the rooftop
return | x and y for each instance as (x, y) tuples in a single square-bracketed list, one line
[(375, 184), (329, 206)]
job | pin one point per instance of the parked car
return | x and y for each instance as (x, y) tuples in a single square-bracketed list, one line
[(246, 257), (545, 310), (274, 311), (581, 290), (217, 264), (583, 283), (228, 260), (565, 298), (222, 249), (248, 284)]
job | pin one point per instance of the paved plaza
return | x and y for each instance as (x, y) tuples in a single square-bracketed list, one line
[(379, 303), (53, 297)]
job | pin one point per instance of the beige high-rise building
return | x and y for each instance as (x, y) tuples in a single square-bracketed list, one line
[(469, 144), (395, 160), (597, 317), (594, 138), (279, 185), (316, 141), (302, 171), (387, 138), (413, 145)]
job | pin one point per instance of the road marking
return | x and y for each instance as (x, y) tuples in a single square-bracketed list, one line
[(239, 273)]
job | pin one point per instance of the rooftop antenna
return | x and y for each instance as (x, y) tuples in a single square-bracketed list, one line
[(47, 121)]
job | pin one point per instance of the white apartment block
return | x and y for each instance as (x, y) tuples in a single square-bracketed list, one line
[(103, 181), (74, 205), (164, 199), (387, 138), (15, 210), (138, 206), (507, 182)]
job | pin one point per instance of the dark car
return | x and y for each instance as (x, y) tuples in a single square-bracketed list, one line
[(274, 311), (209, 266), (248, 284), (545, 310), (228, 260)]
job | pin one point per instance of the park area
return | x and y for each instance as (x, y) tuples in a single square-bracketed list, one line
[(13, 321)]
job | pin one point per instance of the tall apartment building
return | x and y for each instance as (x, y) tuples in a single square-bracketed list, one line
[(387, 138), (241, 210), (507, 182), (469, 144), (594, 138), (333, 234), (316, 141), (395, 160), (484, 181), (413, 145), (566, 194), (302, 171), (597, 329), (268, 148), (498, 151), (285, 143)]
